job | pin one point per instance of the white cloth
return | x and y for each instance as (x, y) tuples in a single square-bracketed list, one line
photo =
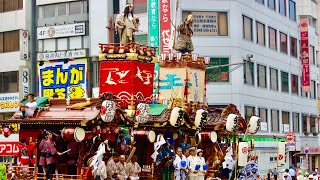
[(193, 161), (102, 171), (201, 162), (178, 173), (111, 168), (133, 170), (292, 172), (122, 170), (31, 108)]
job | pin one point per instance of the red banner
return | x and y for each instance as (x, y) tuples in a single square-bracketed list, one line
[(127, 78), (9, 148), (165, 25), (304, 36)]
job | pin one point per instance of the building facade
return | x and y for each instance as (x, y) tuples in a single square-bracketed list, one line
[(13, 54), (270, 85)]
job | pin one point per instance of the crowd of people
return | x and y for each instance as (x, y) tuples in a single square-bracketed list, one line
[(291, 174)]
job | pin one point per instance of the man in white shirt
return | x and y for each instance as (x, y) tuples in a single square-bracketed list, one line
[(133, 169), (112, 168), (193, 161), (28, 108), (292, 173), (180, 172), (122, 166)]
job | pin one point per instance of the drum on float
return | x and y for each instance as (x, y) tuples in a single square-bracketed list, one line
[(206, 136), (71, 134), (143, 134)]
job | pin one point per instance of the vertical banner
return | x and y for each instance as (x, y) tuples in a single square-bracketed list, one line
[(153, 13), (165, 32), (156, 79), (24, 48), (23, 81), (66, 78), (304, 36), (243, 153), (281, 153)]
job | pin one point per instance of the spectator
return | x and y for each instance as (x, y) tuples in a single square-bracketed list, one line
[(275, 173)]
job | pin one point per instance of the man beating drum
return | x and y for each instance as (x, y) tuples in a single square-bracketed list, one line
[(133, 169), (121, 167), (112, 168)]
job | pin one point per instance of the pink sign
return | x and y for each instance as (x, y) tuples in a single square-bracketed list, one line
[(165, 25), (304, 35)]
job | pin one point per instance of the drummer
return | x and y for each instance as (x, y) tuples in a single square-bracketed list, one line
[(121, 167), (112, 168)]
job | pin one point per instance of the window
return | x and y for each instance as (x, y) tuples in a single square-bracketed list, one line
[(294, 84), (217, 25), (313, 124), (261, 33), (274, 120), (262, 76), (260, 1), (249, 111), (9, 82), (247, 28), (49, 11), (283, 43), (62, 9), (263, 114), (313, 89), (293, 46), (292, 10), (75, 8), (272, 38), (285, 121), (305, 118), (303, 94), (296, 123), (272, 4), (284, 82), (274, 79), (140, 6), (10, 5), (220, 74), (283, 7), (9, 41), (249, 73), (311, 55)]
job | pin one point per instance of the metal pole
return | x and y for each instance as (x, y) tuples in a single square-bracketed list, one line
[(31, 24)]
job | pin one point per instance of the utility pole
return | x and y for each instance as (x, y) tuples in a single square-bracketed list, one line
[(32, 25)]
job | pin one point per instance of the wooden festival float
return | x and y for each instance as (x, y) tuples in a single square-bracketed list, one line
[(175, 110)]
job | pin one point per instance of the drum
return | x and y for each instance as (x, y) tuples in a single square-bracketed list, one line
[(201, 118), (89, 135), (143, 134), (71, 134), (232, 122), (206, 136)]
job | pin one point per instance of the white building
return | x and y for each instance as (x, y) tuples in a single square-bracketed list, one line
[(12, 22), (269, 86)]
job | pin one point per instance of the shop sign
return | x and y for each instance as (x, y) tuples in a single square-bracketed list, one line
[(9, 102), (68, 54), (153, 13), (314, 150), (24, 48), (66, 78), (165, 25), (67, 30), (290, 136), (9, 148), (304, 36), (23, 81), (204, 23)]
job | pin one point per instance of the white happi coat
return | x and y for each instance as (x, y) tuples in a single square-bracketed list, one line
[(201, 162), (193, 161), (102, 171), (111, 169), (133, 169), (122, 170), (178, 173)]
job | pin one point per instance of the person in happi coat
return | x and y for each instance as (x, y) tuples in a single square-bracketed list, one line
[(42, 151), (112, 168), (101, 172), (193, 162), (133, 169), (180, 165), (50, 151), (121, 167), (202, 163)]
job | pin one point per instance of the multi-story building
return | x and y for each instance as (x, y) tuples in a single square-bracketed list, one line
[(68, 34), (270, 85)]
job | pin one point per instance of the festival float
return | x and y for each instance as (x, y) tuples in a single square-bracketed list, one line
[(148, 104)]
